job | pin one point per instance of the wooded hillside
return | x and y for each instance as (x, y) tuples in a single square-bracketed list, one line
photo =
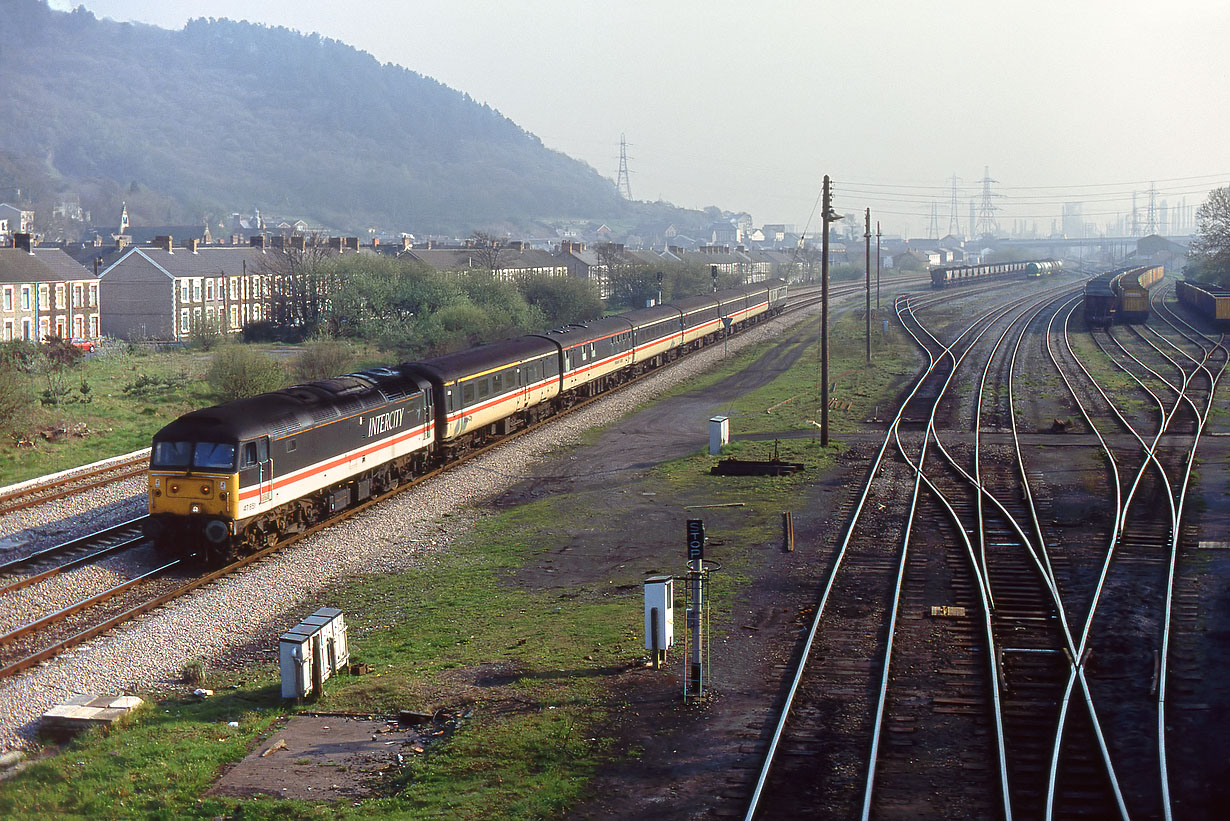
[(225, 116)]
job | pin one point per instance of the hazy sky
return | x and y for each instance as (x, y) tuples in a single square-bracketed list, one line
[(747, 105)]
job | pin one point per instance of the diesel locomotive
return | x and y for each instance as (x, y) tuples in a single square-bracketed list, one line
[(237, 477)]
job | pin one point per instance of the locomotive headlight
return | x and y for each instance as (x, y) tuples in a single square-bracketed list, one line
[(174, 488), (196, 508), (204, 489)]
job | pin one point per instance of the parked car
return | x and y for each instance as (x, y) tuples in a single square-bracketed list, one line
[(86, 345)]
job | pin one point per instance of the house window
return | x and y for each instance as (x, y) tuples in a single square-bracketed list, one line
[(234, 288), (44, 328), (256, 312), (8, 330), (209, 289), (44, 294), (183, 290), (8, 299), (77, 325), (183, 320), (25, 301), (60, 297), (25, 329), (94, 327), (76, 296), (234, 316), (93, 295), (196, 290)]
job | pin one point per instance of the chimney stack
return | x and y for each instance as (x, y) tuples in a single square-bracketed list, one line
[(257, 241), (405, 243), (193, 245), (352, 243), (24, 241), (298, 242), (165, 243), (335, 244), (121, 242), (279, 242), (97, 265)]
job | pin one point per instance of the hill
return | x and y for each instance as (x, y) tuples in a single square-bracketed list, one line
[(223, 116)]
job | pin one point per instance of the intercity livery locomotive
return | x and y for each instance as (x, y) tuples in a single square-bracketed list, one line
[(240, 476)]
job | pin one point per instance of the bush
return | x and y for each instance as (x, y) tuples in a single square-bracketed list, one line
[(323, 359), (14, 399), (19, 355), (239, 371)]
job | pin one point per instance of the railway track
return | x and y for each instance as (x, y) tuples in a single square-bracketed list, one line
[(1005, 655), (48, 489), (42, 638)]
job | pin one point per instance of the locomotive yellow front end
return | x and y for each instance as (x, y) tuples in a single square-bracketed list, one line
[(193, 498)]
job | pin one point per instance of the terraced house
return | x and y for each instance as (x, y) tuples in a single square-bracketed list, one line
[(164, 292), (44, 292)]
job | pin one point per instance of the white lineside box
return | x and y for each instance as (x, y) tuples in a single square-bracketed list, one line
[(719, 433), (312, 651), (659, 612)]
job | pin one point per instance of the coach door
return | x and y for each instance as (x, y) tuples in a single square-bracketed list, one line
[(266, 468)]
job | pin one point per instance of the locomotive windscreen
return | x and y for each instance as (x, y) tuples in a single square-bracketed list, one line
[(201, 455)]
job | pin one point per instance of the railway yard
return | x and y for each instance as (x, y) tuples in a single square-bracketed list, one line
[(1007, 595)]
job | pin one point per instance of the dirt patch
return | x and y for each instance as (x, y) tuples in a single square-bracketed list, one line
[(325, 758)]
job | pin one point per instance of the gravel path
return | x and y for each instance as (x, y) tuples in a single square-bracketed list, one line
[(256, 605)]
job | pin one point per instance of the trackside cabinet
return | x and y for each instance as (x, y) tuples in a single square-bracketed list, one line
[(312, 651), (659, 615)]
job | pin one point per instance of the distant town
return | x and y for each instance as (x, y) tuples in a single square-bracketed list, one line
[(161, 283)]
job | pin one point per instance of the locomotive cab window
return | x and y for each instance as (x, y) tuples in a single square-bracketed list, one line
[(213, 456), (249, 455), (172, 454)]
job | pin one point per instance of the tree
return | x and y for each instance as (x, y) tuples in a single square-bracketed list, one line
[(486, 250), (561, 299), (1211, 247)]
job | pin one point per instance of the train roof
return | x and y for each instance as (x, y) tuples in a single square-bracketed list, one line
[(690, 304), (1207, 287), (300, 406), (484, 358), (1101, 285), (581, 333)]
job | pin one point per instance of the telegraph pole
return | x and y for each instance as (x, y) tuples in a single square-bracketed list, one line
[(826, 217), (877, 269), (867, 239)]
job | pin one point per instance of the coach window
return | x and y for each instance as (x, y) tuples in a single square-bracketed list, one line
[(484, 388), (467, 394), (291, 445), (497, 384), (249, 455)]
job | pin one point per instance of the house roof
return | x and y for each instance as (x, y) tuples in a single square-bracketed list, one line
[(207, 261), (44, 265)]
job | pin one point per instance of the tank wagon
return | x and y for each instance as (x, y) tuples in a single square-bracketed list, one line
[(234, 478), (947, 276), (1121, 295), (1210, 301)]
